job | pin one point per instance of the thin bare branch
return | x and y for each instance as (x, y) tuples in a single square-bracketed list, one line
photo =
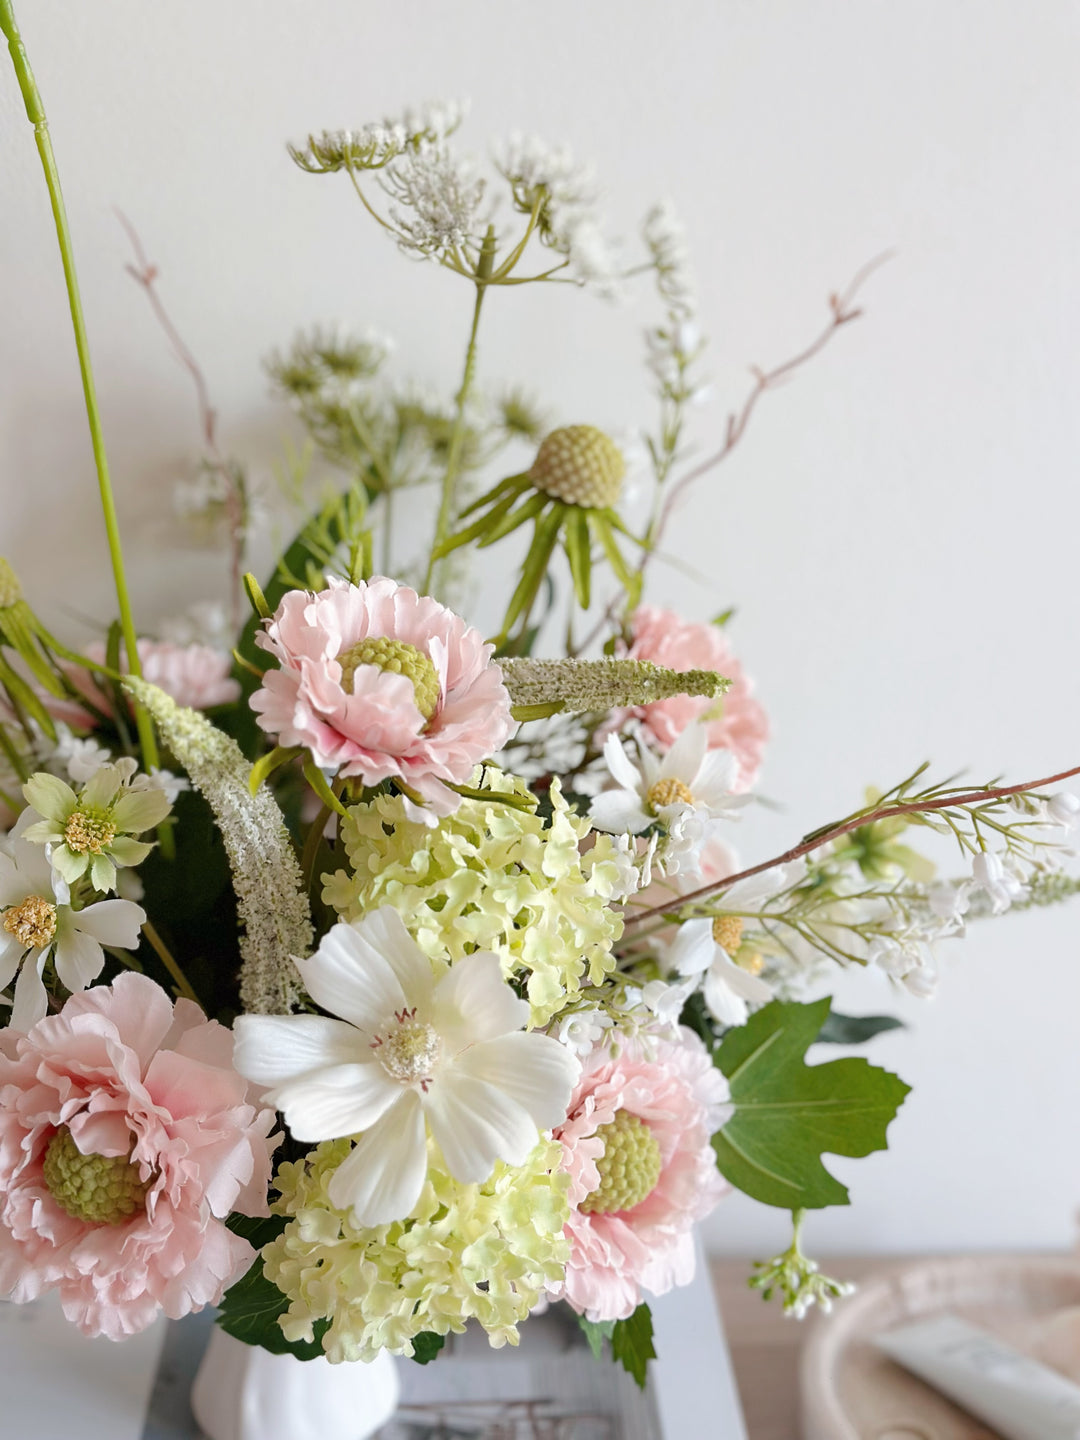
[(949, 801)]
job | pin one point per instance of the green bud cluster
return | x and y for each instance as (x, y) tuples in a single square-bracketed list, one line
[(100, 1189), (629, 1167)]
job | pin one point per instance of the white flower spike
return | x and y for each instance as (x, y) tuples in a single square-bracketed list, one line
[(411, 1053)]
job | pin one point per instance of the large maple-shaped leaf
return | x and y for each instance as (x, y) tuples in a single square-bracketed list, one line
[(788, 1114)]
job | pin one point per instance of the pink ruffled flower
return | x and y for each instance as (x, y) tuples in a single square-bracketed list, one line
[(673, 1087), (126, 1072), (742, 725), (364, 720), (196, 676)]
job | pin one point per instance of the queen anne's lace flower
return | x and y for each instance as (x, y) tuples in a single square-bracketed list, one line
[(419, 1048), (466, 1252), (126, 1138), (379, 682), (491, 877)]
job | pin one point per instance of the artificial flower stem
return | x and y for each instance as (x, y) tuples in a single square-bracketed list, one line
[(166, 956), (457, 437), (35, 111)]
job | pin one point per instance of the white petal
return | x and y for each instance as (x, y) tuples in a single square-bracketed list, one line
[(473, 1002), (340, 1101), (385, 931), (724, 1004), (757, 887), (750, 987), (31, 1002), (112, 922), (79, 957), (13, 887), (382, 1178), (716, 774), (350, 978), (622, 769), (474, 1124), (11, 952), (535, 1070), (272, 1049), (693, 949), (683, 760), (617, 811), (50, 797)]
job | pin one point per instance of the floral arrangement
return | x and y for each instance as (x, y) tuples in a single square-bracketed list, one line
[(378, 977)]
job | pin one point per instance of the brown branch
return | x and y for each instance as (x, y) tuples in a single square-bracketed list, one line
[(145, 273), (843, 311), (823, 837)]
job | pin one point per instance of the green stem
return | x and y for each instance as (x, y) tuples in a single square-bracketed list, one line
[(457, 437), (165, 955), (35, 112)]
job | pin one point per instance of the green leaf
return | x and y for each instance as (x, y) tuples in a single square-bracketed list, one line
[(632, 1343), (250, 1308), (855, 1029), (724, 616), (426, 1346), (788, 1114), (596, 1332), (631, 1340), (578, 552)]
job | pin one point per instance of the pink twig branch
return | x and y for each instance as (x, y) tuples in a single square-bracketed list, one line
[(145, 273), (823, 837), (843, 310)]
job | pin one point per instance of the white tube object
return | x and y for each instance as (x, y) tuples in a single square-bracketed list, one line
[(1020, 1398)]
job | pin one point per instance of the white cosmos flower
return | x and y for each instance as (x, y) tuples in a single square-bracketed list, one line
[(411, 1053), (683, 791), (36, 917)]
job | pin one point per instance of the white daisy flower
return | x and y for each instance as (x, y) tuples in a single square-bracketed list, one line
[(682, 791), (411, 1054), (36, 917)]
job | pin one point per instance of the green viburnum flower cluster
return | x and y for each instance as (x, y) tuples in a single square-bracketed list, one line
[(490, 877), (482, 1252)]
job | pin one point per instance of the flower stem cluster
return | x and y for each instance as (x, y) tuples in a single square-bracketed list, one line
[(797, 1279)]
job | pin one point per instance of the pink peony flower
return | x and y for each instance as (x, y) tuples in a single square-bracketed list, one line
[(741, 725), (196, 676), (378, 681), (658, 1103), (126, 1137)]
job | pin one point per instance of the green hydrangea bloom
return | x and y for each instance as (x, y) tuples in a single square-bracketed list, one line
[(490, 877), (482, 1252)]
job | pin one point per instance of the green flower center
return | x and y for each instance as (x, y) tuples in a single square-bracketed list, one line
[(410, 1050), (89, 832), (32, 922), (581, 465), (397, 657), (99, 1189), (629, 1167)]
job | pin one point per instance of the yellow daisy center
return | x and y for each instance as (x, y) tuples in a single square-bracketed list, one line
[(89, 832), (99, 1189), (669, 792), (727, 932), (397, 657), (410, 1049), (32, 922), (629, 1167)]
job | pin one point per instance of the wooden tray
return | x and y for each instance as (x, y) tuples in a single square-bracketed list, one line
[(850, 1391)]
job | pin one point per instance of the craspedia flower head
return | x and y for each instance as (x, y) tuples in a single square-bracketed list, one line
[(581, 465), (378, 682), (465, 1252), (490, 877)]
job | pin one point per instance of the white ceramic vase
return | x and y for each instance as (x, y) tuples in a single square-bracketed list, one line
[(244, 1393)]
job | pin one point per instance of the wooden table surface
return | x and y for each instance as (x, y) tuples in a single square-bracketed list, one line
[(765, 1345)]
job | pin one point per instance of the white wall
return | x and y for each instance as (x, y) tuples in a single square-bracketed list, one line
[(899, 528)]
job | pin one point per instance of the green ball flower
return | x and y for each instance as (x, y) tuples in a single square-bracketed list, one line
[(98, 1189), (581, 465)]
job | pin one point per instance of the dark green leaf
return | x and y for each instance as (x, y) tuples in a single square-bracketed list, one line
[(257, 1230), (788, 1114), (250, 1311), (632, 1343), (426, 1346), (855, 1029)]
